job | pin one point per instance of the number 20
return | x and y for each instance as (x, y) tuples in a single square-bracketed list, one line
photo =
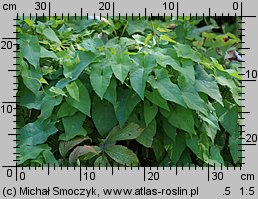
[(104, 5)]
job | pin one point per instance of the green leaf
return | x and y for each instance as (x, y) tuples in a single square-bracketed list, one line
[(48, 104), (103, 116), (92, 44), (43, 81), (167, 89), (101, 161), (166, 38), (128, 132), (50, 158), (145, 61), (186, 69), (187, 52), (234, 145), (156, 98), (138, 81), (28, 21), (100, 77), (209, 123), (150, 111), (83, 152), (136, 26), (73, 126), (207, 84), (30, 100), (31, 152), (215, 156), (51, 35), (229, 120), (73, 71), (66, 110), (121, 64), (31, 77), (111, 94), (200, 145), (84, 104), (146, 137), (185, 157), (181, 32), (73, 91), (224, 79), (159, 151), (122, 155), (164, 60), (65, 147), (120, 71), (57, 91), (83, 24), (30, 48), (169, 129), (139, 75), (63, 82), (82, 132), (193, 142), (219, 109), (126, 102), (44, 53), (191, 96), (163, 29), (178, 148), (181, 118), (210, 130), (36, 132), (147, 39)]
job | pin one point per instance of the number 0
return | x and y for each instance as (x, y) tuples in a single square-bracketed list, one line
[(9, 173), (235, 5)]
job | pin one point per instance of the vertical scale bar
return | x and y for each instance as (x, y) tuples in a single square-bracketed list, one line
[(80, 173), (241, 10), (242, 88), (17, 86), (177, 10), (208, 170), (241, 133), (113, 10), (17, 50), (144, 174), (49, 10)]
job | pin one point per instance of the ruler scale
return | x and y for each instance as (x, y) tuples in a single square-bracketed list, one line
[(179, 181)]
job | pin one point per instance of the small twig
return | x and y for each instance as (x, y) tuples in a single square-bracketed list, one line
[(123, 31), (154, 33)]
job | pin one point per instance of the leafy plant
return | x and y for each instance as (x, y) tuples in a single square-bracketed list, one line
[(148, 92)]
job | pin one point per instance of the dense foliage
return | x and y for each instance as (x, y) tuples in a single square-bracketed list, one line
[(151, 92)]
